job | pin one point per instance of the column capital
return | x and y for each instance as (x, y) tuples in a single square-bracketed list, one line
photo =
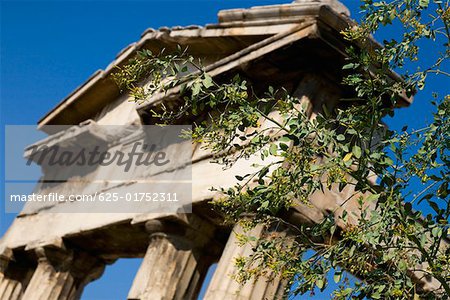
[(61, 272), (164, 226), (6, 255), (173, 266), (55, 256), (54, 253), (171, 231), (197, 231), (87, 267)]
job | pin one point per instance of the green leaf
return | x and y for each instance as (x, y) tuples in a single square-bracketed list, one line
[(388, 161), (436, 231), (207, 81), (352, 250), (337, 277), (424, 3), (434, 206), (347, 291), (423, 240), (351, 131), (265, 204), (263, 172), (350, 66), (273, 149), (320, 283), (402, 265), (340, 137), (356, 150), (375, 155), (372, 197), (284, 147), (196, 88), (376, 295)]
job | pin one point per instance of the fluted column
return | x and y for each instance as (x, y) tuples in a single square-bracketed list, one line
[(61, 274), (223, 285), (13, 276), (173, 266)]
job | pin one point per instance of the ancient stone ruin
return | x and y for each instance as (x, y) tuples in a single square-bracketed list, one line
[(48, 254)]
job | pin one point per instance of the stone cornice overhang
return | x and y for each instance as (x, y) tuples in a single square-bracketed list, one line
[(241, 36), (325, 27), (234, 61), (99, 89)]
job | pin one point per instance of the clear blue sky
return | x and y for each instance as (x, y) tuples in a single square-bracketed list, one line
[(49, 48)]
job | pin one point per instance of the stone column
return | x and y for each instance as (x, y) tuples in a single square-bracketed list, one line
[(173, 266), (223, 285), (61, 274), (13, 276)]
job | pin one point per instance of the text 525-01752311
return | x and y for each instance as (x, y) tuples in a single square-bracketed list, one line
[(149, 196)]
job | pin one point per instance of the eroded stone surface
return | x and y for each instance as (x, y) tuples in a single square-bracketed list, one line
[(292, 45)]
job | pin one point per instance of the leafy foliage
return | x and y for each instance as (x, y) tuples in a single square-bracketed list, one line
[(383, 241)]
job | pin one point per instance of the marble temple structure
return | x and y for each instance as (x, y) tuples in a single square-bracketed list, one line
[(52, 255)]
